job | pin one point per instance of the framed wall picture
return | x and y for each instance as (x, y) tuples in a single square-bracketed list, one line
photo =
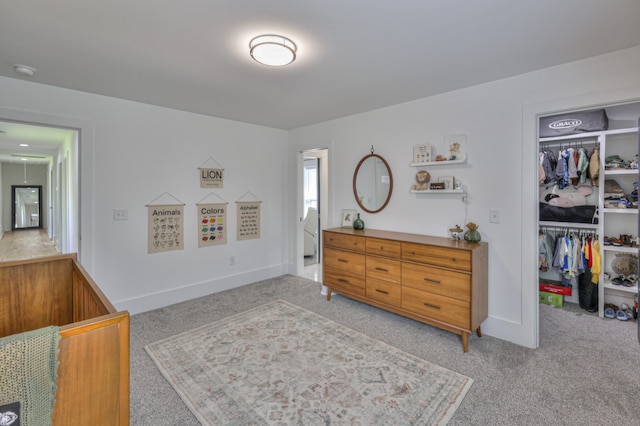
[(348, 216), (421, 153), (449, 181)]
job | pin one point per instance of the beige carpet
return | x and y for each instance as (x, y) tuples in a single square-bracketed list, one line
[(279, 364)]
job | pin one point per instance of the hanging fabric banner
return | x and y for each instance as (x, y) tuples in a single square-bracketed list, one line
[(248, 220), (212, 224), (211, 177), (165, 226)]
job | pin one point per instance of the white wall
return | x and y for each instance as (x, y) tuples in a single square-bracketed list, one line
[(130, 154), (499, 173)]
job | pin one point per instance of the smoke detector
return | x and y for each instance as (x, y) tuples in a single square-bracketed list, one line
[(24, 70)]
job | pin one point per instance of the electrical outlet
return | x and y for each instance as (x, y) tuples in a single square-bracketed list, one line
[(120, 214), (232, 260), (494, 216)]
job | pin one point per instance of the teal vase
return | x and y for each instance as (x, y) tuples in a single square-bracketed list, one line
[(472, 236), (358, 223)]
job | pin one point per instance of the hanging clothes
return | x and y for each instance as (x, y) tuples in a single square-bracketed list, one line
[(570, 254), (568, 166), (583, 165), (594, 166), (597, 262), (546, 248)]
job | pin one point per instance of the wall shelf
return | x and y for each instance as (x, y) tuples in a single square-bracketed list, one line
[(439, 163), (438, 191), (632, 290)]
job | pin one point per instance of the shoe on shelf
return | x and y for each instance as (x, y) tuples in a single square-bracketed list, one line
[(627, 310), (609, 313), (619, 280), (622, 315)]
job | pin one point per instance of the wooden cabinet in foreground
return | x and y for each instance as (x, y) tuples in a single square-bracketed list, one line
[(434, 280)]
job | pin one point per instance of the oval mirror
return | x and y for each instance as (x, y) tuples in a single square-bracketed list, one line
[(372, 183)]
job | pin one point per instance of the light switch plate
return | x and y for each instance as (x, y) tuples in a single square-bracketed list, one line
[(494, 216), (120, 214)]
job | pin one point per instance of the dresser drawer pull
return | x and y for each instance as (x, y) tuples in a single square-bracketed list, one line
[(429, 280), (453, 260), (342, 280), (343, 260), (382, 269), (382, 291), (429, 305)]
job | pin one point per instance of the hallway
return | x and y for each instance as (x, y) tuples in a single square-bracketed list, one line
[(19, 245)]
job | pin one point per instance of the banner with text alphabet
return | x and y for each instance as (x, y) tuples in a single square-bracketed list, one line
[(212, 224), (248, 220), (165, 227)]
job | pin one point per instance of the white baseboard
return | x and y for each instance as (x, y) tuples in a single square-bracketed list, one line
[(181, 293)]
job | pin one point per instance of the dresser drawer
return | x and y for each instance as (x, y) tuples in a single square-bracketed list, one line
[(388, 248), (439, 281), (439, 256), (384, 269), (348, 282), (441, 308), (344, 260), (383, 291), (348, 242)]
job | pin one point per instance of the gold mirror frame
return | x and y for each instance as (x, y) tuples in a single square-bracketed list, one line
[(357, 194)]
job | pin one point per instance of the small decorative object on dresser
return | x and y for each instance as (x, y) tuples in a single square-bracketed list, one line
[(358, 223), (434, 280), (457, 233), (348, 216), (472, 235)]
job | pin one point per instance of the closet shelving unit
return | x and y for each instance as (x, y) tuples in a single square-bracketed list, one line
[(624, 143), (612, 222)]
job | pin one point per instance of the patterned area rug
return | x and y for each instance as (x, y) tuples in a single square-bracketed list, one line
[(279, 364)]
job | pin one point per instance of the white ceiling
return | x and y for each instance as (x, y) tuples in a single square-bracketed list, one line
[(353, 55)]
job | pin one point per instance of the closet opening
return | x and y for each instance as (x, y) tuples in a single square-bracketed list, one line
[(588, 222)]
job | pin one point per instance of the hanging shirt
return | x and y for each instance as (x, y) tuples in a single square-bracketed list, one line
[(596, 267), (549, 164), (583, 165), (572, 166), (594, 167)]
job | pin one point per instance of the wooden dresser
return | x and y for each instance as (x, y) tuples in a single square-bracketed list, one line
[(435, 280)]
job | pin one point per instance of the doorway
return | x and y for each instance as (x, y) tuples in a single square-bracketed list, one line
[(26, 207), (618, 140), (33, 140)]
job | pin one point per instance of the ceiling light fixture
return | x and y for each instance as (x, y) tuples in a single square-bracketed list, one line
[(24, 70), (273, 50)]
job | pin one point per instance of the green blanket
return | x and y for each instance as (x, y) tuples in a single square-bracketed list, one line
[(28, 374)]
